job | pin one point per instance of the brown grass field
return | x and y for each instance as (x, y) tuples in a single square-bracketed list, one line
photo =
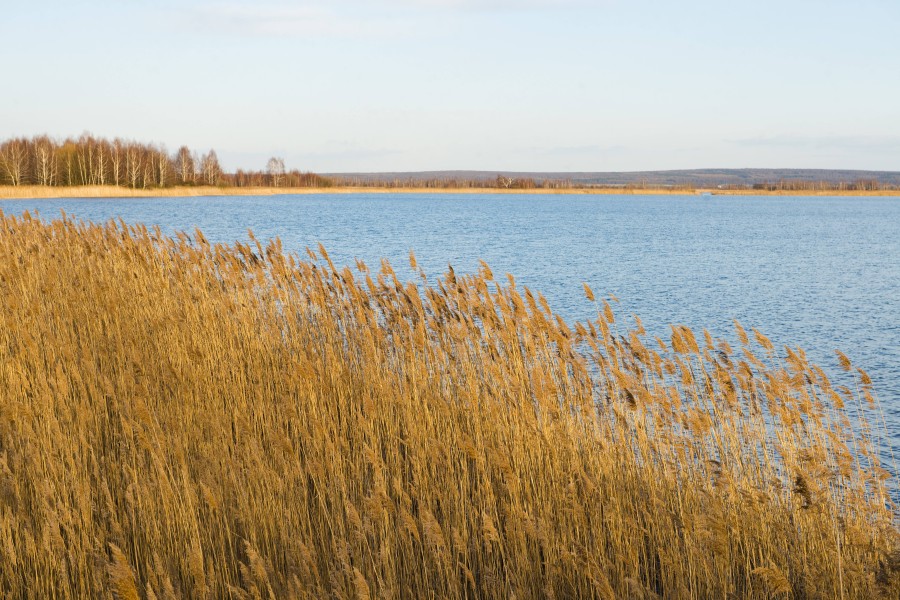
[(109, 191), (186, 420)]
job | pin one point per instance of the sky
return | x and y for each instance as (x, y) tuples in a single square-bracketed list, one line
[(407, 85)]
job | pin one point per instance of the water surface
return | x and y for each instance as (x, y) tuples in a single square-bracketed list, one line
[(820, 273)]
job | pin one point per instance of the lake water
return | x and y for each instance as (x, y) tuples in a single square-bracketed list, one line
[(820, 273)]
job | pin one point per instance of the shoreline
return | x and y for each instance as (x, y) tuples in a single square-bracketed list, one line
[(33, 192)]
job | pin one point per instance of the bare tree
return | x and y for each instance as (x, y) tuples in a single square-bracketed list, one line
[(100, 163), (148, 171), (212, 172), (185, 166), (133, 165), (162, 166), (85, 159), (14, 160), (116, 161), (66, 158), (275, 169), (45, 165)]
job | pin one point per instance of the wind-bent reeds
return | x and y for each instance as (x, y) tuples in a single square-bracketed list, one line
[(182, 419)]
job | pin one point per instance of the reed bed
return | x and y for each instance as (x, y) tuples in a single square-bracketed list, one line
[(10, 192), (180, 419)]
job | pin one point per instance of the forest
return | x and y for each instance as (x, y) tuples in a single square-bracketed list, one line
[(89, 160)]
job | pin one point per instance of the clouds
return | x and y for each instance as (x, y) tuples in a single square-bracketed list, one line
[(428, 84)]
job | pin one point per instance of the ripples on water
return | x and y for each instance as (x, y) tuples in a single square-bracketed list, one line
[(819, 273)]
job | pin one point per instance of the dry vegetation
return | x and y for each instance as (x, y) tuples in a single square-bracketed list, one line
[(110, 191), (180, 419)]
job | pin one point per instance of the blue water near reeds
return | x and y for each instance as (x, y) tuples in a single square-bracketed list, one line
[(816, 272)]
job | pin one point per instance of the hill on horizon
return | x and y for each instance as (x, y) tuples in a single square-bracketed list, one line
[(686, 177)]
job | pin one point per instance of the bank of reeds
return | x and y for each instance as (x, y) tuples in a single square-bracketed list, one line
[(180, 419), (9, 192)]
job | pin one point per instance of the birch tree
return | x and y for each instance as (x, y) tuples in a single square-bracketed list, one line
[(133, 165), (162, 166), (275, 169), (211, 169), (115, 159), (44, 160), (185, 166), (14, 160)]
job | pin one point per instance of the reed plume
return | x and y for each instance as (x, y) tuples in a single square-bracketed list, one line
[(186, 419)]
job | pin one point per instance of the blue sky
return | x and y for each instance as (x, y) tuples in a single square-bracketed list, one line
[(376, 85)]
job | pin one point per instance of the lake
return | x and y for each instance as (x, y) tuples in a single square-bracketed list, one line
[(816, 272)]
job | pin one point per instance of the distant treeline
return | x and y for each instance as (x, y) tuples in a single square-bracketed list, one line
[(677, 180), (498, 182), (88, 160), (531, 183), (859, 185)]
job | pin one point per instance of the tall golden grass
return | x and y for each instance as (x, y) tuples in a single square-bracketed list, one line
[(180, 419)]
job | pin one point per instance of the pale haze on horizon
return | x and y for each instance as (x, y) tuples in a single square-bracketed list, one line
[(405, 85)]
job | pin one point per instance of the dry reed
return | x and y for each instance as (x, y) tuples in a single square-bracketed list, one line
[(185, 419), (9, 192)]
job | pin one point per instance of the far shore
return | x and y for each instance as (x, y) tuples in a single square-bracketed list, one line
[(108, 191)]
